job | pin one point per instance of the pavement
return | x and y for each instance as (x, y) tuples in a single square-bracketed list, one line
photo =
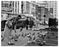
[(22, 41)]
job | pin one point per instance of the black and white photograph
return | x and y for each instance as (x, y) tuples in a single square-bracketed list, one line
[(29, 23)]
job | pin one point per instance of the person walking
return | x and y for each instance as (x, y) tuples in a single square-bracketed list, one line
[(27, 23), (8, 32)]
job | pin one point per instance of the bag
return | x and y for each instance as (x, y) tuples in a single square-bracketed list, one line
[(9, 24)]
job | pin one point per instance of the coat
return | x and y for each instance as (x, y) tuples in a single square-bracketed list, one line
[(7, 30)]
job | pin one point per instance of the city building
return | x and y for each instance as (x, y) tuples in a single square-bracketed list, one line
[(17, 7), (52, 7), (11, 7), (6, 7), (38, 9)]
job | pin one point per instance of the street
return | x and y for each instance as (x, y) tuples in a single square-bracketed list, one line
[(23, 41)]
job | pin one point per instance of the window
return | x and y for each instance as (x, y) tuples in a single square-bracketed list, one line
[(51, 10), (1, 15)]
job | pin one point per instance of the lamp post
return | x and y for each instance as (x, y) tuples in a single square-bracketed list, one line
[(22, 7)]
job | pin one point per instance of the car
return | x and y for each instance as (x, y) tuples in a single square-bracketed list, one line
[(18, 21), (3, 24)]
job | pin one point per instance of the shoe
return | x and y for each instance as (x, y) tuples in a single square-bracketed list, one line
[(11, 43), (16, 40)]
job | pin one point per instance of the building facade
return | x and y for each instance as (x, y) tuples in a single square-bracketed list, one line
[(11, 7), (38, 9)]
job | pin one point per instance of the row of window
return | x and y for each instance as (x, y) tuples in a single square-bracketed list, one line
[(4, 4)]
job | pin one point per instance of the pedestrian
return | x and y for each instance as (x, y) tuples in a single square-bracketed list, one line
[(8, 31), (33, 37), (14, 24), (29, 38), (27, 23), (31, 24)]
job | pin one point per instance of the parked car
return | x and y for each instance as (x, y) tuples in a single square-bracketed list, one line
[(3, 24), (18, 21)]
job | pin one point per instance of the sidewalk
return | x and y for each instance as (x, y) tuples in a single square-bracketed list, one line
[(40, 27)]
